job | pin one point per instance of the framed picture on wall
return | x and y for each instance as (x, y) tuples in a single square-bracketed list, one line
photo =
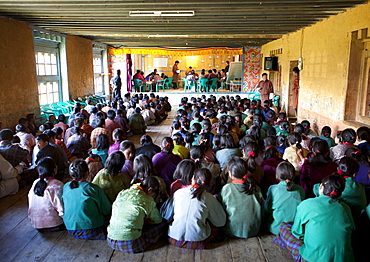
[(160, 62)]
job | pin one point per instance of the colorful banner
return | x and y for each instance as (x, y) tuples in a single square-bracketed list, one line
[(174, 51), (251, 67)]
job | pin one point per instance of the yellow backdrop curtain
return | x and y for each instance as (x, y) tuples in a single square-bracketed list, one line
[(211, 50)]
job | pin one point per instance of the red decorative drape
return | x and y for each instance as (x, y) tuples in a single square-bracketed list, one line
[(251, 67), (129, 72)]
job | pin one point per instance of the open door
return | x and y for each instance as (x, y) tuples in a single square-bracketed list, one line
[(290, 111)]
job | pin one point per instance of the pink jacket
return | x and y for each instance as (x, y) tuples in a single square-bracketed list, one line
[(46, 211)]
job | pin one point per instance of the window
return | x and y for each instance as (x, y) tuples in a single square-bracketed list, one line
[(98, 71), (47, 57), (48, 76)]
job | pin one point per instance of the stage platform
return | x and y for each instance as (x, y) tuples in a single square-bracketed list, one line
[(175, 95)]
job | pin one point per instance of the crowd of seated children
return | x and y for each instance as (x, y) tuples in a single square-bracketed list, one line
[(314, 199), (67, 142)]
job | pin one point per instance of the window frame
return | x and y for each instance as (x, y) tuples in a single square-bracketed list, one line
[(48, 47), (99, 53)]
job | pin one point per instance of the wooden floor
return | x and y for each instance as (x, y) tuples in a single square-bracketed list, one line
[(19, 241)]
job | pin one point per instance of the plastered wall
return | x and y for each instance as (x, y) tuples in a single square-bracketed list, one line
[(80, 66), (196, 62), (18, 84), (324, 48)]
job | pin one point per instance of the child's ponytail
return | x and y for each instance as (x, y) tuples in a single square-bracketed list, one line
[(295, 138), (196, 154), (78, 170), (201, 181), (167, 145), (270, 152), (251, 151), (356, 154), (45, 168), (204, 141), (285, 172), (333, 186), (238, 168), (326, 131), (348, 166)]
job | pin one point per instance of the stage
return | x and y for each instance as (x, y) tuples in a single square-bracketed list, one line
[(175, 95)]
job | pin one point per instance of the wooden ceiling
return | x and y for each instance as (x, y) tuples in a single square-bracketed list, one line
[(216, 23)]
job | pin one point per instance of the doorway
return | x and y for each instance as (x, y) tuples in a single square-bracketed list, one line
[(290, 111)]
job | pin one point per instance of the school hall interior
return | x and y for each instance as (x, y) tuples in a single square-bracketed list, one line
[(82, 43)]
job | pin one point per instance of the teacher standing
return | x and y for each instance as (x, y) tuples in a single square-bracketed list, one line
[(265, 87), (176, 73), (295, 88)]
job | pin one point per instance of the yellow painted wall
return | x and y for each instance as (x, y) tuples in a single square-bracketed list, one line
[(196, 62), (324, 48), (18, 84), (80, 66)]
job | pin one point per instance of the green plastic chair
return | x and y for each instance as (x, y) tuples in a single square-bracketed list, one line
[(168, 82), (188, 84), (160, 84), (212, 84), (138, 85), (66, 107), (202, 84), (46, 110)]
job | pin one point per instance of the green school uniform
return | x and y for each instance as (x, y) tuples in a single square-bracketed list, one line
[(353, 195), (329, 140), (85, 207), (281, 204), (325, 227), (244, 212), (111, 185), (129, 210)]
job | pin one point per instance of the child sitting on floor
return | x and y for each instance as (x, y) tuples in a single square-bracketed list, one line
[(102, 146), (325, 135), (241, 192), (45, 198), (295, 153), (322, 226), (118, 136), (193, 211), (282, 199), (354, 192), (85, 205), (136, 221), (183, 174), (111, 179)]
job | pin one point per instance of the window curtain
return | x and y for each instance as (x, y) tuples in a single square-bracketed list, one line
[(129, 72)]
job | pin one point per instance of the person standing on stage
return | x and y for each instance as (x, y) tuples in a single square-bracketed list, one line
[(116, 85), (265, 87), (227, 67), (176, 74), (295, 88)]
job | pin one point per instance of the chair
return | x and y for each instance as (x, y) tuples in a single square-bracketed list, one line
[(168, 82), (212, 84), (189, 84), (138, 85), (202, 84), (46, 110), (235, 86), (66, 107), (159, 84)]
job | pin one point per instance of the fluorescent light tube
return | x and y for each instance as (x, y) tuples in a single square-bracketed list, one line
[(161, 13)]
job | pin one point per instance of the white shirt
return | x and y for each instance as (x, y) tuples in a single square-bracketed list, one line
[(191, 215), (28, 141)]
